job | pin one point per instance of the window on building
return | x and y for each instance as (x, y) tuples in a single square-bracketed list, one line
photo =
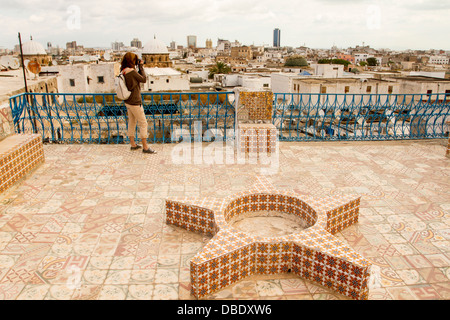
[(167, 80), (100, 79), (323, 90), (347, 89), (72, 82), (429, 92), (390, 89), (369, 89), (265, 85), (447, 93)]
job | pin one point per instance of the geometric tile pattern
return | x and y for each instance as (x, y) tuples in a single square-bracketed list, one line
[(313, 254), (257, 138), (19, 154), (256, 105), (403, 226)]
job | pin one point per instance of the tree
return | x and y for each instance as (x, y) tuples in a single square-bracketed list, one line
[(218, 68), (334, 61), (296, 61), (372, 62), (363, 63)]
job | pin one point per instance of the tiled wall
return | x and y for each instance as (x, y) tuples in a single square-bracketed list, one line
[(255, 105), (6, 122), (343, 217), (19, 155), (271, 202), (193, 217)]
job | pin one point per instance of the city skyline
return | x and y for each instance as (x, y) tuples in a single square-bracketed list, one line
[(400, 25)]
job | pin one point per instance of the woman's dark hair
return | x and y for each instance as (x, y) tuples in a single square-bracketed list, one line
[(129, 60)]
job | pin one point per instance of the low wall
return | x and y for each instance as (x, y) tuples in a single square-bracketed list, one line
[(6, 121)]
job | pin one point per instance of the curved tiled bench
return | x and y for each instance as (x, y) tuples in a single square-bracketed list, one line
[(19, 155), (313, 253)]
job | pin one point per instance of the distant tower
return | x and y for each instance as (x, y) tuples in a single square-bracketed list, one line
[(192, 41), (276, 38), (136, 43), (209, 43)]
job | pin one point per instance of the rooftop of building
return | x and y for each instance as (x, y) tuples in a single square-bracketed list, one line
[(12, 82), (162, 72), (422, 79), (102, 207)]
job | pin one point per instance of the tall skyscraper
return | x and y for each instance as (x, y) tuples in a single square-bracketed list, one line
[(276, 38), (192, 41)]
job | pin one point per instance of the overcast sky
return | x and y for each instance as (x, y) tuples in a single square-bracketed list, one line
[(394, 24)]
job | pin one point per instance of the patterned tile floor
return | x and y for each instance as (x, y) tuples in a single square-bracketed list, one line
[(89, 223)]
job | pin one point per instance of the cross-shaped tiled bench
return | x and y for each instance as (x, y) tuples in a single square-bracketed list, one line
[(313, 253)]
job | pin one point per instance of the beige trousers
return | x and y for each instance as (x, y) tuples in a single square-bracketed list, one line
[(136, 115)]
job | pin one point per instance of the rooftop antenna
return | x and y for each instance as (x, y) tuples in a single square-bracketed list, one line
[(23, 65)]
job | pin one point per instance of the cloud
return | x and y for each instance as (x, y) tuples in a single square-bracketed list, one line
[(36, 18), (319, 22)]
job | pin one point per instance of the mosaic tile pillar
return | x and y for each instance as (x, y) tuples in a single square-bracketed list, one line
[(254, 116), (257, 138), (6, 122), (255, 106), (19, 155)]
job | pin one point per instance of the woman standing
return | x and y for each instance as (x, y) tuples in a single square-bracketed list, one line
[(133, 79)]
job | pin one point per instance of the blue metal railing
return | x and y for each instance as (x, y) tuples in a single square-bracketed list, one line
[(101, 118), (303, 117)]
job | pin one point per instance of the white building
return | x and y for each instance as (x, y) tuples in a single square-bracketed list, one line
[(87, 78), (360, 57), (439, 60), (165, 79), (249, 81), (84, 58), (328, 70), (282, 82)]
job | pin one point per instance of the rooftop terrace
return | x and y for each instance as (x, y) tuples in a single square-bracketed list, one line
[(89, 223)]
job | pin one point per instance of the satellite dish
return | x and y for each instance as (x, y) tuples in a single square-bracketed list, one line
[(3, 63), (10, 62), (34, 67), (14, 63), (107, 56)]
